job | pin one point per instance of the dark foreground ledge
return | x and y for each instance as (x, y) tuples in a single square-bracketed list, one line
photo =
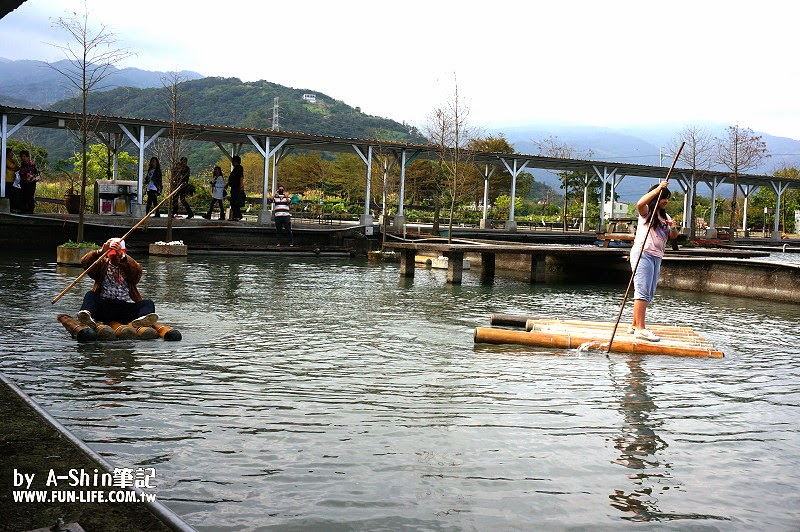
[(32, 442)]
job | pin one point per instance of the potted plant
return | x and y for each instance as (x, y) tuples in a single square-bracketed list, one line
[(70, 253), (72, 201)]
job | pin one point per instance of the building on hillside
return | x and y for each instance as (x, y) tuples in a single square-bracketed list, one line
[(310, 98)]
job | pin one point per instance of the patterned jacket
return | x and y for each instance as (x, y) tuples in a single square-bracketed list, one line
[(131, 269)]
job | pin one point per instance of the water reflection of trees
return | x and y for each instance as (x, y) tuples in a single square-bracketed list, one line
[(639, 445)]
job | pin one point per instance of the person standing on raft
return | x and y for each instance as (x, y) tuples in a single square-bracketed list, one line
[(114, 296), (656, 226)]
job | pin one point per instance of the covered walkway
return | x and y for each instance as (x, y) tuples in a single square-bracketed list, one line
[(119, 132)]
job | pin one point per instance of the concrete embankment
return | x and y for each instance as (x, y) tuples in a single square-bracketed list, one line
[(33, 443), (727, 272), (735, 277)]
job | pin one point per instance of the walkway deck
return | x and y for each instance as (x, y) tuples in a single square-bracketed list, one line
[(34, 443), (544, 262)]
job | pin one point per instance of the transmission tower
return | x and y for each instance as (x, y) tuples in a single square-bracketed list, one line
[(276, 117)]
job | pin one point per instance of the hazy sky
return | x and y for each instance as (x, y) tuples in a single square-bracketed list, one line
[(594, 62)]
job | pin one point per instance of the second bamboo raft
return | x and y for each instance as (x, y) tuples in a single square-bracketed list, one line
[(578, 334)]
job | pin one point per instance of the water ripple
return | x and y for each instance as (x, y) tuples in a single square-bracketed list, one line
[(329, 394)]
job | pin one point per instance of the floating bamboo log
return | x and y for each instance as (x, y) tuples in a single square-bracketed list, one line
[(573, 334), (123, 330), (167, 333), (509, 320), (114, 330), (685, 334), (147, 333), (79, 331), (104, 332)]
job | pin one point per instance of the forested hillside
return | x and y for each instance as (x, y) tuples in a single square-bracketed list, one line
[(231, 102)]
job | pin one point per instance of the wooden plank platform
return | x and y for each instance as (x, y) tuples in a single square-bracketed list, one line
[(579, 334)]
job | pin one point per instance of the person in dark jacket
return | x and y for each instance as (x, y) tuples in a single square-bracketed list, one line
[(114, 296), (182, 174), (236, 184), (153, 183)]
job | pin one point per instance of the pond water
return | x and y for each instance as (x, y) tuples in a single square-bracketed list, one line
[(328, 394)]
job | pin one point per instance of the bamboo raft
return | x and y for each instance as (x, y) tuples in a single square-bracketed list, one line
[(116, 331), (578, 334)]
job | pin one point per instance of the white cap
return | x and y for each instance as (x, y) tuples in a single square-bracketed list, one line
[(121, 242)]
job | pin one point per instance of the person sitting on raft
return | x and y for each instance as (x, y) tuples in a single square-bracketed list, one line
[(114, 296)]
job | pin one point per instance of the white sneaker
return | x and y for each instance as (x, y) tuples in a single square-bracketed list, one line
[(145, 321), (85, 317), (647, 334), (631, 329)]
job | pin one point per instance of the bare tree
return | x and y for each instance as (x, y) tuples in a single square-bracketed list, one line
[(449, 129), (552, 147), (698, 155), (174, 103), (739, 151), (439, 131), (90, 60)]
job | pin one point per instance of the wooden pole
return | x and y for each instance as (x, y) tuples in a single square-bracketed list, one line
[(644, 241), (83, 274)]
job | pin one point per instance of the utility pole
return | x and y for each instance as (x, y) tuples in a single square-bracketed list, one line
[(662, 155)]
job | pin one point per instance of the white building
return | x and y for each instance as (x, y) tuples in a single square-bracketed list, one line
[(310, 98), (618, 210)]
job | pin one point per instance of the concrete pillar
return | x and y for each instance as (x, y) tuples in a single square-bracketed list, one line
[(455, 266), (407, 265), (487, 267), (511, 225), (399, 222), (264, 217), (538, 269), (5, 204), (485, 224)]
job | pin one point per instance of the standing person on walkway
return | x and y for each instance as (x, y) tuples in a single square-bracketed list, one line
[(182, 173), (154, 183), (656, 226), (236, 184), (282, 215), (29, 176), (217, 194), (12, 192)]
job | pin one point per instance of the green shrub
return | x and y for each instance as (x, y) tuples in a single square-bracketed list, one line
[(71, 244)]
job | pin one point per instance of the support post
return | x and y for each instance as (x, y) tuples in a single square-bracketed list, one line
[(487, 267), (538, 267), (407, 264), (455, 266)]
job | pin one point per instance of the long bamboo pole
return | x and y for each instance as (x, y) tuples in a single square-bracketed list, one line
[(83, 274), (644, 241)]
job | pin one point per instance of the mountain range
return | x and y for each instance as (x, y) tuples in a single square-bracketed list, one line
[(228, 101), (29, 83)]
